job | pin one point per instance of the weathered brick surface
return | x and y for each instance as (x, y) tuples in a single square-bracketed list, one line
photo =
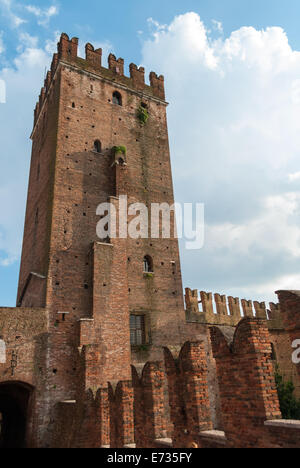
[(121, 415), (208, 309), (63, 267), (188, 393), (283, 434), (149, 412), (24, 332), (247, 385)]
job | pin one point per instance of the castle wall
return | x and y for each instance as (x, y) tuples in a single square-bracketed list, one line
[(69, 341), (131, 413), (209, 310), (24, 333), (245, 373), (63, 268)]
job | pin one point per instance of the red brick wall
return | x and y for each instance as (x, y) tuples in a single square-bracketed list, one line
[(188, 393), (284, 434), (246, 380), (149, 412), (24, 332), (38, 220), (68, 180), (121, 415)]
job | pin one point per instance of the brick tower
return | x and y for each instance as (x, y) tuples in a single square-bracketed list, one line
[(119, 300)]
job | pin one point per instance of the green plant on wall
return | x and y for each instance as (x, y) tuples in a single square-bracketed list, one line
[(142, 348), (289, 404), (120, 150), (149, 275), (143, 115)]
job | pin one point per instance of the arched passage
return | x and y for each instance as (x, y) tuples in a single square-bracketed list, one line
[(14, 411)]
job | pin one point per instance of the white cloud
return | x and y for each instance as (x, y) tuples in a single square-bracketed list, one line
[(27, 41), (218, 26), (43, 15), (7, 7), (235, 140), (294, 176), (51, 44), (273, 228)]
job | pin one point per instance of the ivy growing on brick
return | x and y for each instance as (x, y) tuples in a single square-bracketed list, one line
[(120, 149), (143, 115)]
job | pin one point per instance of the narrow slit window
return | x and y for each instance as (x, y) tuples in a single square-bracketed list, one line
[(36, 220), (148, 264)]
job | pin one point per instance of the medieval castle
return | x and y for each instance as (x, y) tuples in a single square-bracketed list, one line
[(102, 350)]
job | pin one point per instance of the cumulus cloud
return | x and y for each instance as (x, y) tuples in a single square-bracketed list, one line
[(26, 41), (7, 9), (235, 141), (218, 26), (43, 15)]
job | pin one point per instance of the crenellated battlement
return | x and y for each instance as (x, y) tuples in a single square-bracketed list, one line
[(218, 309), (67, 52)]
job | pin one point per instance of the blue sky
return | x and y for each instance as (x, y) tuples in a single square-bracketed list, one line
[(233, 68)]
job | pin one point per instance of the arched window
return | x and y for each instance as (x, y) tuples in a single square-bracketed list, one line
[(148, 264), (97, 146), (117, 98), (2, 352)]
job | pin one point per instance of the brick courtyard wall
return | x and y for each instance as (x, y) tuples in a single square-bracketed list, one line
[(24, 335), (121, 414), (247, 385), (149, 412), (188, 393)]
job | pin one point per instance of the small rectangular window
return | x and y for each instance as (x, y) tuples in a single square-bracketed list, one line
[(137, 330)]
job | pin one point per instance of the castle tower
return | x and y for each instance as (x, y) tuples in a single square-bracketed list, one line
[(98, 136)]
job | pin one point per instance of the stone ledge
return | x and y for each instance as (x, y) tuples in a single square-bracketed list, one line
[(130, 446), (218, 436), (164, 442), (286, 423)]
